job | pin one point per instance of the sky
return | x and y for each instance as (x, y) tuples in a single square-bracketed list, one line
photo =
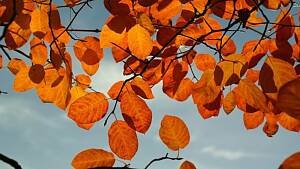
[(41, 136)]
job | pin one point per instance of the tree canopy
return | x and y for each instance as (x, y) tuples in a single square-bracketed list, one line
[(192, 47)]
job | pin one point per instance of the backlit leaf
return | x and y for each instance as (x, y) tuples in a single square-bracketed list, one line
[(139, 42), (92, 158), (139, 116), (122, 140), (89, 108), (174, 133), (253, 120), (288, 99), (292, 162), (39, 24), (187, 165)]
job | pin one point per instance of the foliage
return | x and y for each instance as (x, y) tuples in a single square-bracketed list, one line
[(159, 41)]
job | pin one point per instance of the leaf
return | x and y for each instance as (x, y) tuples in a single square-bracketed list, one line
[(88, 50), (22, 81), (36, 73), (18, 32), (274, 74), (39, 24), (92, 158), (38, 51), (253, 120), (141, 88), (205, 61), (89, 108), (288, 122), (252, 95), (147, 3), (252, 75), (223, 9), (226, 45), (115, 89), (118, 7), (15, 65), (83, 81), (55, 88), (90, 69), (165, 10), (254, 56), (122, 140), (229, 103), (287, 31), (173, 84), (139, 116), (230, 70), (187, 165), (139, 42), (71, 3), (174, 133), (288, 99), (1, 61), (292, 162), (145, 22)]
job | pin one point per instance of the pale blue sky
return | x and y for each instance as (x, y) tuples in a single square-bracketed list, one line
[(41, 136)]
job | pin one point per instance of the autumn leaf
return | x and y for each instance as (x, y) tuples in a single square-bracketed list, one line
[(292, 162), (187, 165), (139, 42), (174, 133), (89, 108), (92, 158), (288, 98), (39, 23), (122, 140), (138, 117)]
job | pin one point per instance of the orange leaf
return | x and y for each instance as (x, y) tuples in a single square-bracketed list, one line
[(1, 61), (223, 9), (274, 74), (55, 88), (88, 50), (288, 122), (187, 165), (15, 65), (92, 158), (252, 75), (288, 98), (174, 133), (292, 162), (229, 103), (22, 81), (114, 90), (139, 42), (90, 69), (36, 73), (272, 4), (230, 70), (122, 140), (253, 96), (205, 61), (118, 7), (39, 24), (83, 81), (141, 88), (165, 10), (139, 116), (18, 32), (227, 46), (253, 120), (88, 108), (71, 3), (287, 31), (38, 51), (254, 56), (145, 22)]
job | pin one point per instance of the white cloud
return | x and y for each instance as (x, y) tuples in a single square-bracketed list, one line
[(226, 154)]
